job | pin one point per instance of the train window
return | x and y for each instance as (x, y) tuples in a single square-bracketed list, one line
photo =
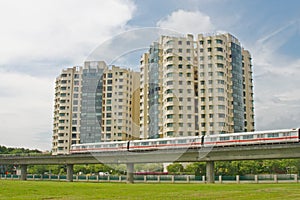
[(287, 134), (162, 142), (224, 138), (145, 143), (270, 135), (236, 137), (181, 141), (213, 139), (247, 137), (260, 136)]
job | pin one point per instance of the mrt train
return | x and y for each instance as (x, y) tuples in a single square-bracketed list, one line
[(220, 140)]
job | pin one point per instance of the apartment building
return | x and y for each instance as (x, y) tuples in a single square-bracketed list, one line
[(95, 103), (120, 119), (66, 120), (196, 87)]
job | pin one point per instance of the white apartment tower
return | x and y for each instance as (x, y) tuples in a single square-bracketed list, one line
[(66, 120), (120, 104), (93, 104), (196, 87)]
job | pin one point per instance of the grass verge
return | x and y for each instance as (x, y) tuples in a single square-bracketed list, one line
[(82, 190)]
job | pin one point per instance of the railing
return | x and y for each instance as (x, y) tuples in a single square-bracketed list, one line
[(273, 178)]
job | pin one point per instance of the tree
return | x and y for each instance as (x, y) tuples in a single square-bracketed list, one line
[(175, 168)]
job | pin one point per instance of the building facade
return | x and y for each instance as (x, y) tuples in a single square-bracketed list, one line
[(120, 109), (196, 87), (66, 120), (95, 103)]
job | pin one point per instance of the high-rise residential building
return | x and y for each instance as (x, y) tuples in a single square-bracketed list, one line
[(66, 120), (196, 87), (120, 109), (93, 104)]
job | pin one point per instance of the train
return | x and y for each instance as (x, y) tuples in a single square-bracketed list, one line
[(194, 142)]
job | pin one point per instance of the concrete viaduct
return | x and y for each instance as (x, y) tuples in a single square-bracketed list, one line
[(206, 154)]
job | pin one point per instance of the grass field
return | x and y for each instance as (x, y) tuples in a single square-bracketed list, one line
[(63, 190)]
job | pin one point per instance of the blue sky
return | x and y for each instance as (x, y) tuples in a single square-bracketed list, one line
[(40, 38)]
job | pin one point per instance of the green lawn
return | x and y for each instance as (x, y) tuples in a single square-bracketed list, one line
[(80, 190)]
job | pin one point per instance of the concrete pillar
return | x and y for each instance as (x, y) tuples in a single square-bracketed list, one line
[(275, 178), (256, 179), (158, 179), (173, 179), (120, 178), (188, 179), (296, 178), (130, 167), (70, 172), (203, 179), (145, 178), (238, 179), (220, 179), (23, 172), (210, 171)]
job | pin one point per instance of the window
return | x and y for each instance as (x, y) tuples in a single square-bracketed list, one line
[(218, 41), (169, 107), (221, 98), (220, 49), (169, 99), (220, 65), (219, 57), (272, 135), (247, 137), (169, 74), (220, 90), (221, 115), (169, 66), (169, 82), (220, 74), (169, 116), (221, 107), (169, 125)]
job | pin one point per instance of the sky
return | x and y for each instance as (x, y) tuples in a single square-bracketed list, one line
[(40, 38)]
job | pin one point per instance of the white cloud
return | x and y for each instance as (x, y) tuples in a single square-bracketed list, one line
[(187, 22), (276, 80), (26, 104), (37, 36), (58, 29)]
